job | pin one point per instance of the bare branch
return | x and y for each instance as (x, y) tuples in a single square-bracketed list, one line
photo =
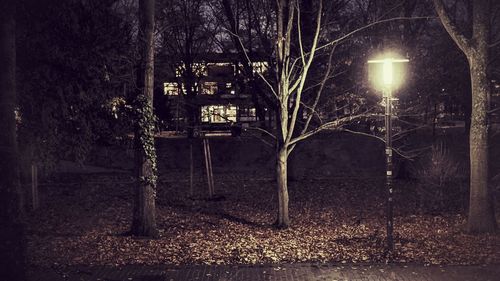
[(400, 135), (313, 111), (299, 31), (494, 44), (398, 152), (303, 76), (335, 124), (369, 26), (260, 138), (249, 61), (494, 110), (462, 42), (262, 130), (364, 134), (328, 78), (322, 86)]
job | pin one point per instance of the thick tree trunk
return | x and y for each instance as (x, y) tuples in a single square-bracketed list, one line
[(144, 216), (283, 220), (481, 213), (12, 246)]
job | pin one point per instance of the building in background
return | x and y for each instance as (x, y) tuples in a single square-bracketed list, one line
[(220, 95)]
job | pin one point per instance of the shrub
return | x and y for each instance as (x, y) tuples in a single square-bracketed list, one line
[(440, 180)]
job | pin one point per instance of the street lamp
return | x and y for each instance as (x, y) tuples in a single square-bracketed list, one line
[(387, 78)]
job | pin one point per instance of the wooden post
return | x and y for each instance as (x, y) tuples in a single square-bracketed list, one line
[(191, 168), (34, 186), (177, 115), (207, 167), (210, 168)]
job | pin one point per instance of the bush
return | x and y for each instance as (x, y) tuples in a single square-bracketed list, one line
[(441, 180)]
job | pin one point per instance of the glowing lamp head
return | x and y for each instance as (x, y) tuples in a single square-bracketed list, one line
[(387, 73)]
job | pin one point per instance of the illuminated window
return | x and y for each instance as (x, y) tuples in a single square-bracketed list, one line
[(257, 66), (179, 70), (248, 114), (194, 88), (230, 112), (260, 67), (199, 69), (230, 89), (171, 89), (209, 88), (218, 113)]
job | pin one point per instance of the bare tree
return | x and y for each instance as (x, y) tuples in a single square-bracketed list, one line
[(12, 248), (250, 26), (476, 48), (297, 104), (187, 32), (291, 74), (144, 215)]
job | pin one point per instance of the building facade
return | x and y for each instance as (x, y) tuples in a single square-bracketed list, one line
[(215, 91)]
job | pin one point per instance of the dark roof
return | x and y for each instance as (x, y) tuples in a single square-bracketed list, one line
[(226, 57)]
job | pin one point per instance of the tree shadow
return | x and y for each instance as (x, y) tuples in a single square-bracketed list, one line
[(208, 208)]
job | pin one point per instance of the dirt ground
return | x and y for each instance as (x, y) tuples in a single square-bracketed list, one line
[(83, 218)]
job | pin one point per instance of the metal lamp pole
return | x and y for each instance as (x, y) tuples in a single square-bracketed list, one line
[(388, 165), (387, 80)]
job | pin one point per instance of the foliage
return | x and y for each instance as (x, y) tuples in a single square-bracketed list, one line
[(146, 129), (441, 179), (73, 62)]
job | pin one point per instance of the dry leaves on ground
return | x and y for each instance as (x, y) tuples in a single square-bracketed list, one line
[(332, 221)]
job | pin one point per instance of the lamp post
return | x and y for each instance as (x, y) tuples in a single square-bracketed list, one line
[(387, 82)]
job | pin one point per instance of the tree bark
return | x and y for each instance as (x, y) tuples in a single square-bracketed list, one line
[(481, 212), (144, 215), (12, 246), (283, 220)]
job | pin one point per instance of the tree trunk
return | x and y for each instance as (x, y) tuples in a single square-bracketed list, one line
[(12, 246), (481, 213), (191, 107), (283, 220), (144, 216)]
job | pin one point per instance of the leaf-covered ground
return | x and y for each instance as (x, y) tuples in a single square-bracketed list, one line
[(82, 221)]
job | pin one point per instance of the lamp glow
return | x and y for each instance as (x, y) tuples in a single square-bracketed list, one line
[(388, 72)]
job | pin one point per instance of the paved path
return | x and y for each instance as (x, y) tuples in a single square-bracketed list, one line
[(290, 272)]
